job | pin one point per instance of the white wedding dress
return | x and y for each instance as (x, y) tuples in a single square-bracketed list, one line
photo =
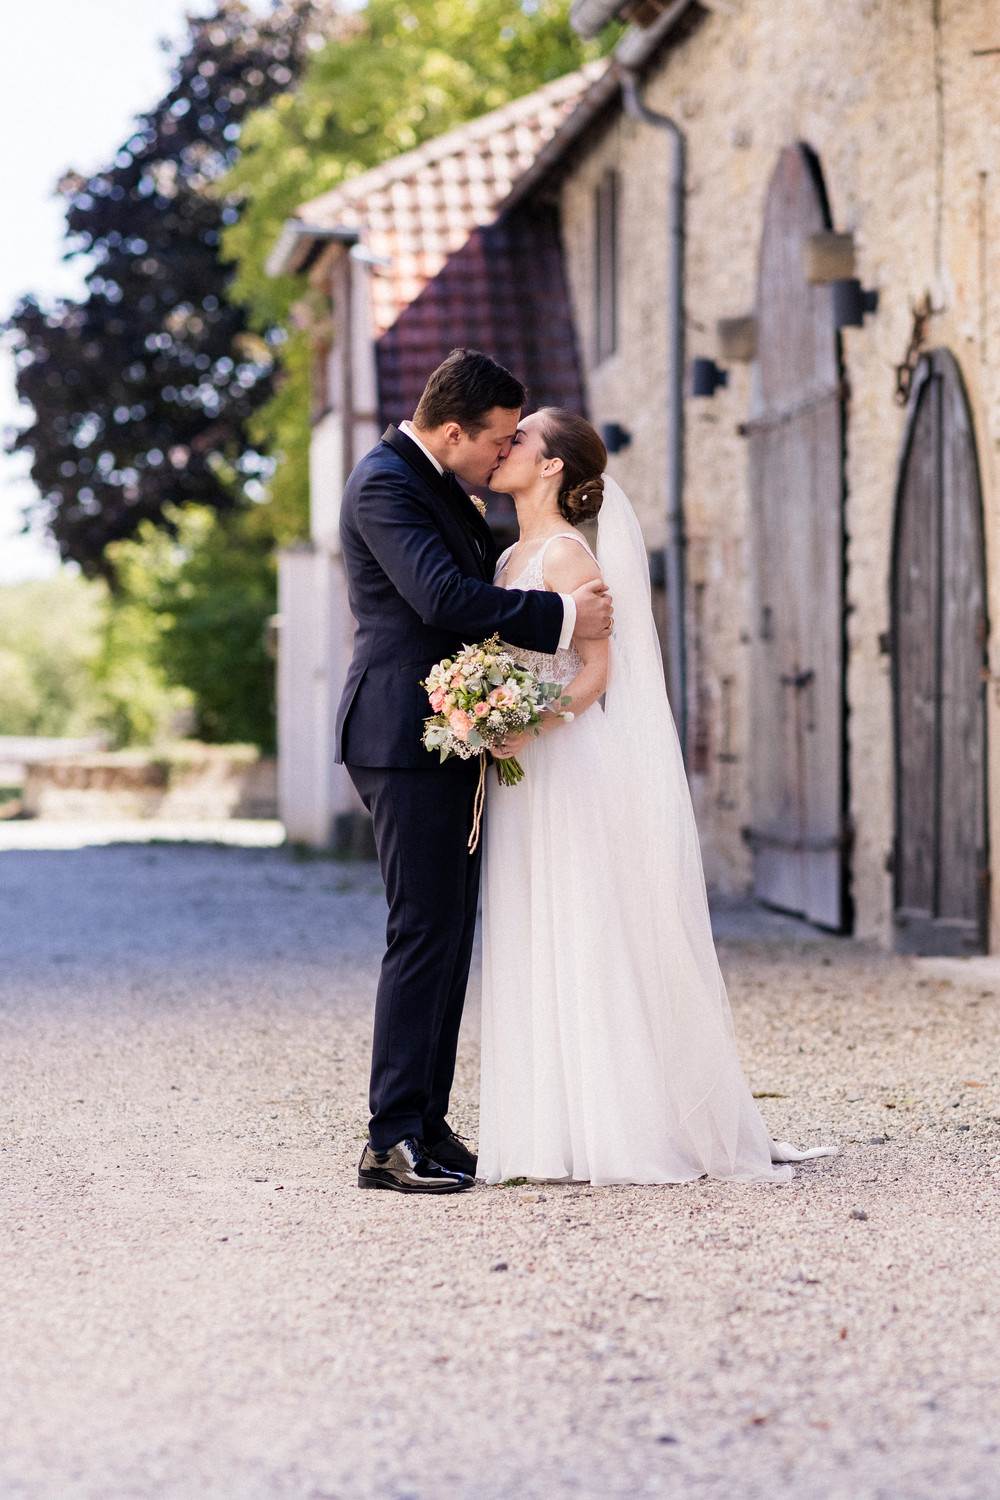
[(608, 1047)]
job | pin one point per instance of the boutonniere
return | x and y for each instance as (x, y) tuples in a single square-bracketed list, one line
[(479, 504)]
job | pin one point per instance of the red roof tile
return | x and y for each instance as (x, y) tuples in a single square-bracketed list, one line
[(420, 208)]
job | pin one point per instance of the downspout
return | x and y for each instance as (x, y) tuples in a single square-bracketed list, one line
[(675, 549)]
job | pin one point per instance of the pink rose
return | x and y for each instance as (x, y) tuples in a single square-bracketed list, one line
[(481, 710), (502, 697), (460, 723), (437, 699)]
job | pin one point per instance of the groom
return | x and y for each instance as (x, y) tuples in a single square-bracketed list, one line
[(420, 561)]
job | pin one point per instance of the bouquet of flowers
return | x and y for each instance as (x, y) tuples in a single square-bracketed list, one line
[(481, 696)]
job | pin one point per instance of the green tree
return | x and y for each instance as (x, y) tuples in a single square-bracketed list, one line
[(140, 705), (142, 392), (395, 74), (216, 609), (50, 636), (195, 605), (156, 407), (77, 660)]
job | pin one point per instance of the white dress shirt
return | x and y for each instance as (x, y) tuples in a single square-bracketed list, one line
[(569, 603)]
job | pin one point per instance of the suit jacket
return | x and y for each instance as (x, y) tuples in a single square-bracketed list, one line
[(420, 562)]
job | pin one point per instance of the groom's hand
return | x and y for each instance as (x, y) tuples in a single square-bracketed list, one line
[(594, 611)]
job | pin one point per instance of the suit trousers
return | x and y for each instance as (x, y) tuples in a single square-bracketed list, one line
[(422, 823)]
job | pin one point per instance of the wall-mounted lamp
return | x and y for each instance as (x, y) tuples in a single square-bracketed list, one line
[(851, 301), (706, 377), (615, 437), (827, 256), (736, 339), (828, 259)]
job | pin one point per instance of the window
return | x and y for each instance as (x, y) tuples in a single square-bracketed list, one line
[(606, 266)]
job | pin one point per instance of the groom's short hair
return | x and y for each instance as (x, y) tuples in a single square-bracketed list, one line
[(463, 389)]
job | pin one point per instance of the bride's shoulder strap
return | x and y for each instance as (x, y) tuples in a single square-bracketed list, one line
[(574, 536)]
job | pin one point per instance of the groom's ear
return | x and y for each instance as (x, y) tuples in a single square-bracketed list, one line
[(452, 432)]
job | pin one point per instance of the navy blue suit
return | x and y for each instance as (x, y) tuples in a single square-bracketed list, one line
[(419, 562)]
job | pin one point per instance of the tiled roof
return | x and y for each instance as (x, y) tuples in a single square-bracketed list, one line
[(420, 208)]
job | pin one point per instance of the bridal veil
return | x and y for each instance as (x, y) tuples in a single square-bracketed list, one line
[(663, 885)]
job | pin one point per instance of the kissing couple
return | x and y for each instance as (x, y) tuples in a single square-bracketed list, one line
[(608, 1054)]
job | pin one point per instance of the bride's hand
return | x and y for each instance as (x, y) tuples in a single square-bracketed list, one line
[(514, 744)]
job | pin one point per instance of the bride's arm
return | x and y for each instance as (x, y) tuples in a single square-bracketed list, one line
[(567, 565)]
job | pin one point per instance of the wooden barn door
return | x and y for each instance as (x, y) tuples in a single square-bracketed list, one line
[(939, 630), (798, 830)]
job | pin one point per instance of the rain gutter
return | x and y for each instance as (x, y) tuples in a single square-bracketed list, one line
[(589, 17), (640, 42), (676, 540), (300, 244)]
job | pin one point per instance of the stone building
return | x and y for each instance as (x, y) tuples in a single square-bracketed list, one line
[(800, 201)]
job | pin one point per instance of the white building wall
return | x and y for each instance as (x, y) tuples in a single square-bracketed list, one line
[(300, 800), (317, 626), (326, 481), (314, 650)]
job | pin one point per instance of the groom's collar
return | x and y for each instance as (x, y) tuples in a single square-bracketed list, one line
[(418, 459), (407, 429)]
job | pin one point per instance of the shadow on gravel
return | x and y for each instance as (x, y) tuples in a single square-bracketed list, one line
[(740, 919), (185, 904)]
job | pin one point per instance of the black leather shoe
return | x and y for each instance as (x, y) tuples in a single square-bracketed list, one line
[(452, 1154), (407, 1168)]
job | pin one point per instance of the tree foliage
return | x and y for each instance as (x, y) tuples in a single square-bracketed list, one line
[(76, 661), (393, 75), (50, 635), (161, 399), (143, 391), (199, 601)]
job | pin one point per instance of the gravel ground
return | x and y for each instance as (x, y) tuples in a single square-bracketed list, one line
[(197, 1301)]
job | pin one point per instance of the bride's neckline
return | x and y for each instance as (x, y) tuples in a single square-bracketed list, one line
[(541, 543)]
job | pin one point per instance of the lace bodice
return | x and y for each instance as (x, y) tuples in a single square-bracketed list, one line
[(561, 666)]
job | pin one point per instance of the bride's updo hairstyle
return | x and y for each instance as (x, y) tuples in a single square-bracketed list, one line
[(568, 436)]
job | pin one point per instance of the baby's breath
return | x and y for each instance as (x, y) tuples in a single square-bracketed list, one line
[(480, 697)]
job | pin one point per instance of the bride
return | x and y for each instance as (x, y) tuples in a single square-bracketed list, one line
[(608, 1047)]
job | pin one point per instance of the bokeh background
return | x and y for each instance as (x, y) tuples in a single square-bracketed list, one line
[(155, 380)]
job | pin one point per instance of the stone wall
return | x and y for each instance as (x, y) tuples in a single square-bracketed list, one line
[(184, 782), (905, 119)]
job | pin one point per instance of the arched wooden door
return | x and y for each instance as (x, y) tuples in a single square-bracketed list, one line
[(798, 781), (939, 631)]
